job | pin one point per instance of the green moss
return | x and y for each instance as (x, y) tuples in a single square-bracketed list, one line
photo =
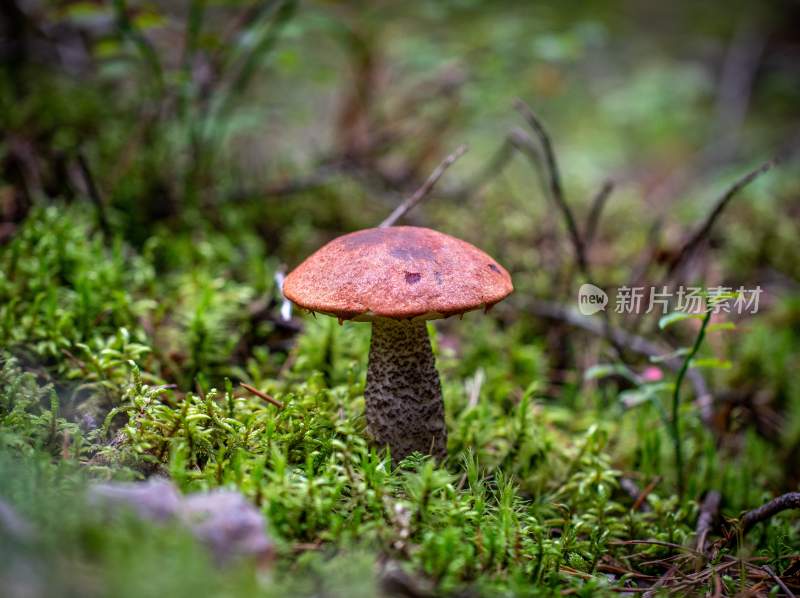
[(115, 366)]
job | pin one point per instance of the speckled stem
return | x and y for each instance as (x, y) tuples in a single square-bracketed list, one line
[(403, 394)]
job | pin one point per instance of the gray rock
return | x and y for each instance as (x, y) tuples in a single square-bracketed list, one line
[(12, 524), (224, 520), (228, 524), (156, 499), (20, 572)]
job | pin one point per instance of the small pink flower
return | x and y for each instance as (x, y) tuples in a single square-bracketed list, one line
[(652, 374)]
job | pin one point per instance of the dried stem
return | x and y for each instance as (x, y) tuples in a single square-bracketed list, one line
[(598, 203), (778, 581), (784, 502), (709, 511), (94, 194), (262, 395), (423, 192), (554, 179), (631, 342), (702, 231)]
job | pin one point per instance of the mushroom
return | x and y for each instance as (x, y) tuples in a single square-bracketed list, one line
[(397, 278)]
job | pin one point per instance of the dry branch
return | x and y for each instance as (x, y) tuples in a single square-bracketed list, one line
[(632, 342), (598, 203), (709, 511), (94, 194), (421, 193), (778, 581), (702, 231), (640, 504), (784, 502), (554, 179), (262, 395)]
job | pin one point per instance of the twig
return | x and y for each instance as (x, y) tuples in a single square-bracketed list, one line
[(705, 520), (702, 231), (554, 179), (94, 194), (522, 142), (421, 193), (778, 581), (598, 203), (557, 195), (632, 342), (790, 500), (263, 395), (668, 576), (640, 504)]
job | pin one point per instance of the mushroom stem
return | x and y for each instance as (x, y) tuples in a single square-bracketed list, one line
[(403, 394)]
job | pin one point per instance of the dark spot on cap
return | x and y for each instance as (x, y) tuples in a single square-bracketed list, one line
[(438, 276), (494, 268), (413, 277)]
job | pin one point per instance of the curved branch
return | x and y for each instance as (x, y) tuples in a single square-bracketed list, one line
[(421, 193)]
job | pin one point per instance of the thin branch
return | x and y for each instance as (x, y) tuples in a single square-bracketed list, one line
[(598, 203), (638, 495), (640, 504), (784, 502), (702, 231), (632, 342), (522, 142), (709, 511), (664, 579), (94, 194), (778, 581), (423, 192), (262, 395), (554, 179)]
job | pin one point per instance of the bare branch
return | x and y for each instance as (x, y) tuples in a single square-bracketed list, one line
[(702, 231), (638, 495), (421, 193), (521, 141), (94, 194), (709, 511), (630, 341), (262, 395), (554, 179), (778, 581), (640, 504), (598, 203), (784, 502)]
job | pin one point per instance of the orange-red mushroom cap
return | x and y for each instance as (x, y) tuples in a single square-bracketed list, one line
[(397, 272)]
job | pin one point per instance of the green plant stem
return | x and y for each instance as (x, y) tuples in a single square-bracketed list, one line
[(676, 401)]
